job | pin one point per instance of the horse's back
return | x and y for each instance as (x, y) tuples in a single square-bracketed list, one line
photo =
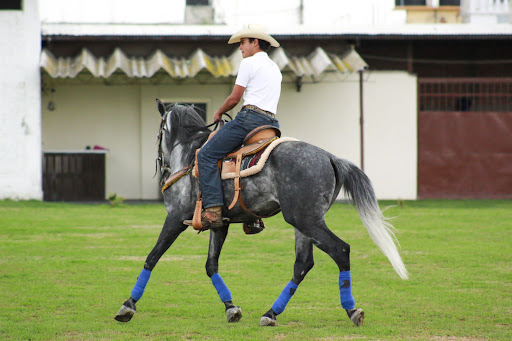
[(296, 174), (302, 158)]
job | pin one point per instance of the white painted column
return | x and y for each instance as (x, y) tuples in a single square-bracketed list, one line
[(20, 95)]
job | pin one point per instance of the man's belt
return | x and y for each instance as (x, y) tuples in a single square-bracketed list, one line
[(261, 111)]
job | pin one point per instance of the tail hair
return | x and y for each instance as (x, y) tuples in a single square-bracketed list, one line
[(358, 188)]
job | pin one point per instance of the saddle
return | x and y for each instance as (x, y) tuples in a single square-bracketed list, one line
[(230, 166)]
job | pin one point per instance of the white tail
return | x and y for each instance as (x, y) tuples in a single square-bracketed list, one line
[(381, 232), (358, 187)]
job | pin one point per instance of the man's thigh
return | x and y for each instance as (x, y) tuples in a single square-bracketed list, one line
[(229, 137)]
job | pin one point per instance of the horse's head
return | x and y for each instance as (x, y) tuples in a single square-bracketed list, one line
[(181, 132)]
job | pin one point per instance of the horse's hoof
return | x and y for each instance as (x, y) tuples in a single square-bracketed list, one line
[(125, 314), (268, 319), (267, 322), (356, 316), (234, 314), (127, 311)]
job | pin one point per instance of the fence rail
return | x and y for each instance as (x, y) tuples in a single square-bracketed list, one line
[(465, 94)]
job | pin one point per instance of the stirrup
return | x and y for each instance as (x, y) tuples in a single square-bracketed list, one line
[(254, 227)]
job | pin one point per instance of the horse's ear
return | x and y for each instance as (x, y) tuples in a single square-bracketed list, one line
[(161, 107)]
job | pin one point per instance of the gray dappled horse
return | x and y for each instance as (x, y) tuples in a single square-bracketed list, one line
[(300, 180)]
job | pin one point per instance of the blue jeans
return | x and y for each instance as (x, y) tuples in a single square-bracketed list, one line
[(227, 139)]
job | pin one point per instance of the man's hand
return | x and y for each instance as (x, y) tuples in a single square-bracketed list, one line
[(217, 116)]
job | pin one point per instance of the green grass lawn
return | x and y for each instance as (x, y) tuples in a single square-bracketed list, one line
[(65, 270)]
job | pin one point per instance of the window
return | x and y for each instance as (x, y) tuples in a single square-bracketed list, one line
[(199, 12), (10, 4), (410, 3), (449, 2), (198, 2), (400, 3)]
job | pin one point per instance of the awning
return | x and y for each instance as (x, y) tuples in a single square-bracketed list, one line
[(312, 66), (67, 31)]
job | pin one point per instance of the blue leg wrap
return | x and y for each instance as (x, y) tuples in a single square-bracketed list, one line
[(140, 285), (222, 289), (347, 300), (285, 296)]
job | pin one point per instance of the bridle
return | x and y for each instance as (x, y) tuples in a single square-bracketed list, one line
[(160, 160), (165, 168)]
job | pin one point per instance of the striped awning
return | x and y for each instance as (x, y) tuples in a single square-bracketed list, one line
[(311, 66)]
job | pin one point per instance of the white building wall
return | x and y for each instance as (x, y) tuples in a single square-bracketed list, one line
[(122, 118), (325, 114), (270, 13), (125, 120), (113, 11), (236, 13), (390, 133), (314, 12), (353, 13), (107, 116), (20, 96)]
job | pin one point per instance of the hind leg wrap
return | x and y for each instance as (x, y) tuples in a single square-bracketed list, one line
[(140, 285), (346, 298)]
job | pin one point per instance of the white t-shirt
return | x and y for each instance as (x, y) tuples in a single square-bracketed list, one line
[(261, 78)]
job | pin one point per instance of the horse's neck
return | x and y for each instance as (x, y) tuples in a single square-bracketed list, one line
[(176, 160), (180, 154)]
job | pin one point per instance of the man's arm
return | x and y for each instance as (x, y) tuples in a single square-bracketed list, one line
[(230, 102)]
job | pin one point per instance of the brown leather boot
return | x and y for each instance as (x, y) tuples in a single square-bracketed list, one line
[(211, 217)]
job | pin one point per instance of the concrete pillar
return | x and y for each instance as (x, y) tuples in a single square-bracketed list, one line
[(20, 96)]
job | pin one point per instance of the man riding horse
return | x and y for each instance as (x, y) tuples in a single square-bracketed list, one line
[(259, 81), (274, 189)]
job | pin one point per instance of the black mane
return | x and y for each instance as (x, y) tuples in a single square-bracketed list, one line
[(187, 126)]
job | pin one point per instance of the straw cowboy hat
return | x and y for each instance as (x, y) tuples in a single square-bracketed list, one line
[(253, 31)]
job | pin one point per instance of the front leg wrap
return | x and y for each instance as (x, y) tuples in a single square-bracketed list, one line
[(285, 296), (222, 289)]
